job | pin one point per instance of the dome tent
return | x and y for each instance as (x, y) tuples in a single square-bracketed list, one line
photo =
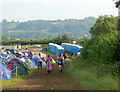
[(6, 73), (21, 67), (28, 62)]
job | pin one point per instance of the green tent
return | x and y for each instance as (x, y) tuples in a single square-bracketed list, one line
[(21, 66)]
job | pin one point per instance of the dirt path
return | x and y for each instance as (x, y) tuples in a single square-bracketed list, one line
[(39, 80)]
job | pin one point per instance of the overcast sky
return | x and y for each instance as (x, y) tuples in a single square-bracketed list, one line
[(24, 10)]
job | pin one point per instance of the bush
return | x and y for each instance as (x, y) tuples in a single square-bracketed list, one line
[(101, 48)]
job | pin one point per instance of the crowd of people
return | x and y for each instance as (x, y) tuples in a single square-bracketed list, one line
[(61, 60)]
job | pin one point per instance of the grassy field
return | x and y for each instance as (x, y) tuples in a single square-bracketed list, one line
[(6, 83), (47, 52), (92, 76)]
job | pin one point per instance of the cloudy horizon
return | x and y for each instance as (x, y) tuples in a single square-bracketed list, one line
[(25, 10)]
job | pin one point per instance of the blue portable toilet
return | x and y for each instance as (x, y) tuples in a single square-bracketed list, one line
[(61, 50), (55, 48), (6, 73)]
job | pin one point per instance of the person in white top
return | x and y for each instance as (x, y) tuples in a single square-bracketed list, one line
[(78, 54), (39, 60)]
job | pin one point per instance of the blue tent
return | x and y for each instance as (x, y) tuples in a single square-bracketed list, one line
[(5, 60), (30, 57), (6, 73), (36, 61), (3, 55)]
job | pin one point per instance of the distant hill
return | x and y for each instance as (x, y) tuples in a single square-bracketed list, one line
[(38, 29)]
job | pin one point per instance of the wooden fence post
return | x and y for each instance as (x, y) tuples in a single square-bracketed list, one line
[(16, 71)]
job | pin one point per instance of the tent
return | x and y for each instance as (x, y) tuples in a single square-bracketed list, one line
[(21, 53), (30, 57), (17, 54), (6, 73), (30, 52), (13, 56), (28, 62), (5, 60), (21, 66), (13, 51), (3, 55)]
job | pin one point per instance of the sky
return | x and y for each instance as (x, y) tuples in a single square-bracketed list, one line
[(24, 10)]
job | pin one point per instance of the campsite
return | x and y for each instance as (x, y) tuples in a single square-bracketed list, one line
[(56, 45), (21, 65), (20, 71)]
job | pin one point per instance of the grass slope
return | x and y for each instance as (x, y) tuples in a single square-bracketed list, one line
[(92, 76)]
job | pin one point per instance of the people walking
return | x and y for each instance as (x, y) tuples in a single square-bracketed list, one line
[(39, 60), (49, 64), (60, 62), (65, 57)]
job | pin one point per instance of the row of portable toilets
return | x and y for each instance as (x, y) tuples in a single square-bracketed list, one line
[(64, 47)]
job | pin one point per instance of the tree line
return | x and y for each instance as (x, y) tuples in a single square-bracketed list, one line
[(39, 29)]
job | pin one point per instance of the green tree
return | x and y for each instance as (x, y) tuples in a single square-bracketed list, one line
[(118, 46), (104, 24), (117, 4), (65, 38), (56, 40)]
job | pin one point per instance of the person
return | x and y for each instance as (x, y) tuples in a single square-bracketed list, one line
[(72, 56), (78, 54), (60, 62), (26, 52), (49, 64), (26, 47), (8, 54), (17, 47), (65, 57), (39, 60), (52, 59)]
